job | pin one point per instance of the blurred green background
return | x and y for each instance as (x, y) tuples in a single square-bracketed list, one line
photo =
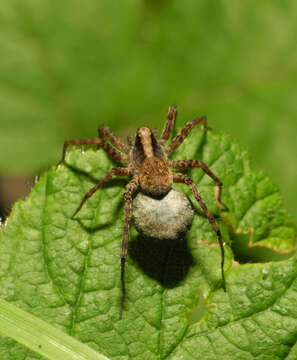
[(68, 66)]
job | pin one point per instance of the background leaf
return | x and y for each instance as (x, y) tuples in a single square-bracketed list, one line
[(68, 271)]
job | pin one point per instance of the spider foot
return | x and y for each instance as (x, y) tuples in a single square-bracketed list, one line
[(75, 212), (220, 204), (205, 125), (203, 119)]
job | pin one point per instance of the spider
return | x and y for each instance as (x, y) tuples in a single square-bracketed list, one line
[(147, 162)]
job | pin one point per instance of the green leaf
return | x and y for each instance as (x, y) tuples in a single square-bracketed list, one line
[(67, 271), (41, 337), (256, 318), (254, 202)]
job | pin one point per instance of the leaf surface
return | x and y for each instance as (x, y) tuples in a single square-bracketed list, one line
[(67, 271)]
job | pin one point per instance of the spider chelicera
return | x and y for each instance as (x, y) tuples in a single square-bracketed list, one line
[(147, 162)]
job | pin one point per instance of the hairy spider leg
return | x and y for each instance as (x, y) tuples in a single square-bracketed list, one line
[(104, 130), (169, 124), (119, 171), (189, 164), (130, 140), (130, 189), (155, 133), (185, 179), (178, 139), (112, 152)]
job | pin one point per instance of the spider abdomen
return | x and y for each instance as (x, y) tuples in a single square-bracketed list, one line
[(167, 218), (155, 176)]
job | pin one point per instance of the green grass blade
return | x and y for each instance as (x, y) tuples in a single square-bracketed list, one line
[(41, 337)]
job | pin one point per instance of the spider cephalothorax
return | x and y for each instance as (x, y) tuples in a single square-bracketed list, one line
[(147, 162)]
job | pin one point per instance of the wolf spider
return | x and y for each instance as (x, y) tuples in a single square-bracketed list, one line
[(147, 162)]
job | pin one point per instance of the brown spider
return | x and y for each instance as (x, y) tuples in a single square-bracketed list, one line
[(148, 164)]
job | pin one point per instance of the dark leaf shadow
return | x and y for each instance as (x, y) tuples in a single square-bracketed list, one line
[(166, 261), (247, 252)]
